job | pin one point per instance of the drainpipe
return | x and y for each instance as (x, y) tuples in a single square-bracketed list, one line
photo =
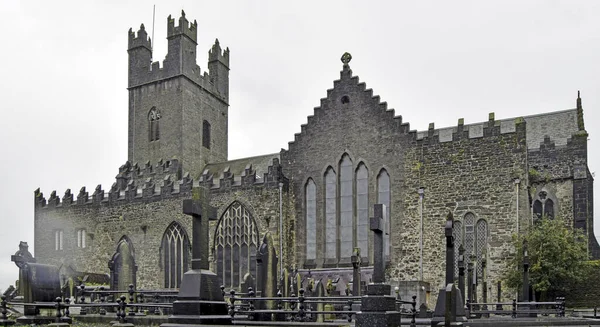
[(421, 197), (280, 229), (517, 182)]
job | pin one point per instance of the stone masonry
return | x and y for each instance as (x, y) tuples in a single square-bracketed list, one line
[(353, 152)]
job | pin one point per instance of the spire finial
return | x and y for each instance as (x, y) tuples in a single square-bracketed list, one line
[(346, 57), (182, 13)]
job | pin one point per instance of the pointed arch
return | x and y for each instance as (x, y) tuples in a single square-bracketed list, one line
[(153, 124), (310, 192), (346, 182), (362, 209), (384, 197), (175, 251), (330, 214), (235, 244), (122, 265)]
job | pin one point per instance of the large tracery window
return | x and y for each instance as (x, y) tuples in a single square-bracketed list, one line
[(543, 206), (311, 220), (236, 241), (153, 125), (175, 249), (474, 238)]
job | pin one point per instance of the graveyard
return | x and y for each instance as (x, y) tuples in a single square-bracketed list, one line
[(43, 297), (361, 221)]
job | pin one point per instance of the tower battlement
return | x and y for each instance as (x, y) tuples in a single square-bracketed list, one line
[(179, 61), (218, 54), (184, 28), (141, 41)]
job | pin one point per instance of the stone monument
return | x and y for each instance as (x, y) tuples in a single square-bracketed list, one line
[(449, 309), (378, 306), (200, 300)]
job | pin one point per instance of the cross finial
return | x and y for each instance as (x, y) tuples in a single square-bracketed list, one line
[(346, 57)]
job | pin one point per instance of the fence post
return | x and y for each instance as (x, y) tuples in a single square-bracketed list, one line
[(102, 299), (251, 294), (301, 304), (123, 306), (350, 302), (156, 310), (413, 320), (58, 313), (232, 303), (82, 312), (67, 312), (514, 308), (131, 291)]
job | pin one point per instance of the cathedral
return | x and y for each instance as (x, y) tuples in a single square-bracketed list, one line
[(312, 201)]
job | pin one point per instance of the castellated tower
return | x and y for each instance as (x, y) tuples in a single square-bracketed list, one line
[(175, 111)]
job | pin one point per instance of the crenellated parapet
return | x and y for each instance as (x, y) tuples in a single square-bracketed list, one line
[(264, 171), (141, 40), (179, 61), (133, 183), (463, 131), (184, 28)]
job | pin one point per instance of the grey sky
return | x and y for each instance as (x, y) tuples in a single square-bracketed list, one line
[(64, 76)]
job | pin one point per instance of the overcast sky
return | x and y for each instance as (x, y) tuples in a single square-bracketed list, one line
[(63, 91)]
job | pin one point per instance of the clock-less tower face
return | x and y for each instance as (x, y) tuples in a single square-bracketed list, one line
[(175, 111)]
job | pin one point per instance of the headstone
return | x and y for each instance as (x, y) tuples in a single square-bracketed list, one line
[(378, 307), (248, 282), (41, 283), (461, 271), (266, 282), (356, 262), (20, 258), (449, 309), (200, 300)]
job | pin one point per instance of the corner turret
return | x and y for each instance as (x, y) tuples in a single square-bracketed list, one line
[(218, 65), (140, 53), (181, 56)]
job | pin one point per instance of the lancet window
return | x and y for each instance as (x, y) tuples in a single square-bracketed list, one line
[(153, 124), (175, 250)]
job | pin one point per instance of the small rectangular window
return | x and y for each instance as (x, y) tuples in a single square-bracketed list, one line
[(206, 134), (81, 238), (58, 240)]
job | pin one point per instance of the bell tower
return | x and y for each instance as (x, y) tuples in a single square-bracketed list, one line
[(176, 111)]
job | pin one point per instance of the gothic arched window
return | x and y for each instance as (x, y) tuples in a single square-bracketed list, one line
[(362, 208), (330, 214), (122, 265), (206, 134), (175, 250), (235, 244), (153, 125), (346, 207), (311, 220), (544, 205), (384, 197), (473, 237)]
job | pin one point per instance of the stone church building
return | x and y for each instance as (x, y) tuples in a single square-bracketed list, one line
[(312, 200)]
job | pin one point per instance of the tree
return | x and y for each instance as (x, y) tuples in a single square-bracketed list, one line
[(557, 256)]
